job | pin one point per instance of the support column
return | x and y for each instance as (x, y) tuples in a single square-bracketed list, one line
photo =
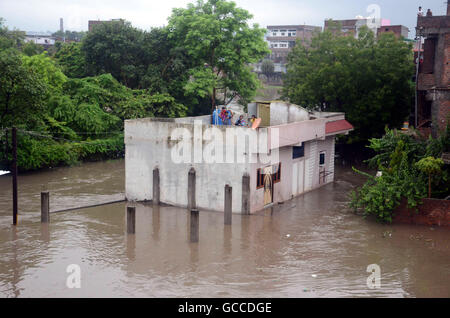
[(45, 207), (228, 204), (156, 188), (131, 220), (246, 194), (191, 189), (194, 228)]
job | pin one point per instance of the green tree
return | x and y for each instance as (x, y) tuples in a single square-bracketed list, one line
[(8, 38), (406, 165), (116, 48), (220, 43), (70, 35), (31, 48), (431, 166), (71, 59), (47, 71), (22, 91), (267, 67), (368, 79)]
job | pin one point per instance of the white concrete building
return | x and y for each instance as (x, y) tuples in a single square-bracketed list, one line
[(292, 152), (44, 40)]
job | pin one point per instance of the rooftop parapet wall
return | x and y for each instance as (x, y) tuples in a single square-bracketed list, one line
[(295, 133), (433, 25)]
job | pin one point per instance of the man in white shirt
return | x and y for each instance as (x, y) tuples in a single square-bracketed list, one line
[(420, 13)]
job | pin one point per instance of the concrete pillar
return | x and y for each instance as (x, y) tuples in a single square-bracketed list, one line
[(191, 189), (228, 204), (246, 194), (45, 207), (194, 228), (156, 188), (131, 220)]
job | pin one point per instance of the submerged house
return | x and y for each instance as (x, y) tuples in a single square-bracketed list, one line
[(290, 153)]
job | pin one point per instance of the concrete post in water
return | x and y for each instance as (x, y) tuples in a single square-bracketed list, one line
[(156, 188), (246, 194), (194, 229), (228, 204), (131, 220), (45, 207), (191, 189)]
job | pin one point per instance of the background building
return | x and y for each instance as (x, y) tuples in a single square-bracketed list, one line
[(42, 39), (282, 38), (400, 31), (378, 26), (433, 82)]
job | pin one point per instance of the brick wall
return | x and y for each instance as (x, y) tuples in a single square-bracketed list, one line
[(396, 29), (426, 81), (431, 212), (433, 22), (446, 61), (429, 50), (443, 114)]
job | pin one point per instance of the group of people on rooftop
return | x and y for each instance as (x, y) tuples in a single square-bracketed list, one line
[(420, 13), (224, 116)]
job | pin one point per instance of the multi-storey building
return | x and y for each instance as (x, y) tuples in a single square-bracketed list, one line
[(352, 26), (282, 38), (433, 82)]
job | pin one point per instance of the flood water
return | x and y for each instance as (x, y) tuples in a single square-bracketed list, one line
[(312, 246)]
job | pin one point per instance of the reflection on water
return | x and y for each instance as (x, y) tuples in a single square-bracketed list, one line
[(311, 246)]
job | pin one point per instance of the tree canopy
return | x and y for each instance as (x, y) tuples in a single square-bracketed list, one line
[(22, 91), (220, 44), (369, 79)]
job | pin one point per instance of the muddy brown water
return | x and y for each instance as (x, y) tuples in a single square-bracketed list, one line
[(311, 246)]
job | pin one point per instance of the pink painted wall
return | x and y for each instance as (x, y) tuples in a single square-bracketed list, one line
[(283, 189), (294, 133)]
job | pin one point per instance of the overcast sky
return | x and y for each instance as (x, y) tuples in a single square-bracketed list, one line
[(43, 15)]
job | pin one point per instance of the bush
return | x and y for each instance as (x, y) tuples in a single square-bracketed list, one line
[(404, 162), (34, 152)]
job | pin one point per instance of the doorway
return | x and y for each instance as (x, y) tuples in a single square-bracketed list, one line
[(268, 186)]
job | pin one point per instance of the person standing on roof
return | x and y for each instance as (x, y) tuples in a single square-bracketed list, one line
[(215, 116), (223, 115), (241, 121), (226, 116), (420, 12)]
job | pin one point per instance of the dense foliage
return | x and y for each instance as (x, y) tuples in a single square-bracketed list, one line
[(267, 67), (62, 119), (367, 78), (71, 59), (409, 167), (69, 104), (70, 35)]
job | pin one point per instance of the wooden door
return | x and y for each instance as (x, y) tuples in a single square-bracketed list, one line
[(264, 114), (268, 186)]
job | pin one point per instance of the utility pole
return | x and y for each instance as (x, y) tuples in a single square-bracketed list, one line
[(417, 82), (14, 173)]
